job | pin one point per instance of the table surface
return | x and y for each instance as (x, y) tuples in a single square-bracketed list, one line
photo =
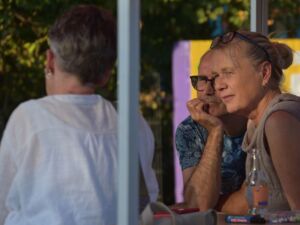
[(221, 221)]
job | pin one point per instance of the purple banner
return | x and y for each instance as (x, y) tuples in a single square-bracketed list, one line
[(181, 93)]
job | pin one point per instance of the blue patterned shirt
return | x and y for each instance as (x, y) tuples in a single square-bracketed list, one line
[(190, 141)]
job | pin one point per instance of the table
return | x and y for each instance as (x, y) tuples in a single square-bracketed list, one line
[(221, 221)]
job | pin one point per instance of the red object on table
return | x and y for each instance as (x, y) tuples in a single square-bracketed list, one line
[(164, 214)]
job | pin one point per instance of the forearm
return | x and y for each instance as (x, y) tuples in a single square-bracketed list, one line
[(234, 203), (203, 188)]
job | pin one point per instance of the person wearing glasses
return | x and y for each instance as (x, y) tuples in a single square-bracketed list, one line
[(248, 70), (209, 145)]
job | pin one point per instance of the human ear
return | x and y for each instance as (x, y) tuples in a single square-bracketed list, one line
[(266, 72), (50, 61)]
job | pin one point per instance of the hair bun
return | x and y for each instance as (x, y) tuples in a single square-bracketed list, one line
[(284, 55)]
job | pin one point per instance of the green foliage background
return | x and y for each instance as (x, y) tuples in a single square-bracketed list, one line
[(23, 41)]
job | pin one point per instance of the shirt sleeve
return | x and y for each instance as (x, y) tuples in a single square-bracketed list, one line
[(8, 163), (7, 173), (146, 145), (189, 144)]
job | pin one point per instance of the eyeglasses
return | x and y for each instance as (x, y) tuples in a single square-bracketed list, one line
[(199, 82), (228, 37)]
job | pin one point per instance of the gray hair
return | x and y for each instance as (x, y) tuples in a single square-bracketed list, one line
[(83, 41)]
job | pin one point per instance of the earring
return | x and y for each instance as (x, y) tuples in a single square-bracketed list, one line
[(48, 74), (265, 84)]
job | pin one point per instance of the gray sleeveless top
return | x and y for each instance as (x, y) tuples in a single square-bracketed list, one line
[(254, 138)]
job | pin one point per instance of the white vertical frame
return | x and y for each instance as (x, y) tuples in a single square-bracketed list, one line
[(259, 16), (128, 91)]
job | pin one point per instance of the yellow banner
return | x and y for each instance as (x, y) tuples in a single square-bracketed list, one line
[(290, 83)]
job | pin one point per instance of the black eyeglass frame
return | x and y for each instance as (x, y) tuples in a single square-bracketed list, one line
[(196, 78), (228, 37)]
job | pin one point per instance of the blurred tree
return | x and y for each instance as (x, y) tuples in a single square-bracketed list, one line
[(23, 41), (284, 18)]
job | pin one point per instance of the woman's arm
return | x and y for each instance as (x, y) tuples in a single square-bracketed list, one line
[(283, 136), (235, 203)]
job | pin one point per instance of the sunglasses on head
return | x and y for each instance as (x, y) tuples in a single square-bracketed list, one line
[(228, 37)]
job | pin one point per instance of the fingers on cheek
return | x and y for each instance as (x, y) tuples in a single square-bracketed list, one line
[(198, 107), (195, 107), (189, 105), (190, 108)]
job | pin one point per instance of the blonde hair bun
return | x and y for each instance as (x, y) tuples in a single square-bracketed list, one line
[(284, 54)]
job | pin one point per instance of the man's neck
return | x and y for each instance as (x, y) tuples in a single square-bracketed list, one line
[(234, 125)]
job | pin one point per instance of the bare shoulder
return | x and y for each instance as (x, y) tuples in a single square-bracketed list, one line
[(280, 121), (283, 134), (282, 131)]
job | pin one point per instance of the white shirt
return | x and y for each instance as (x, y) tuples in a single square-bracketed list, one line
[(58, 162), (146, 152)]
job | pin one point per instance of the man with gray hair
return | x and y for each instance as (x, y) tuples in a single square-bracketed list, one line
[(209, 145)]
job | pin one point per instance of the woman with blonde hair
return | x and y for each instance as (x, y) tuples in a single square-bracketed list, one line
[(248, 68)]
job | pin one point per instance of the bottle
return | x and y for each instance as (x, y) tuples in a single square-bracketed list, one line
[(257, 187)]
